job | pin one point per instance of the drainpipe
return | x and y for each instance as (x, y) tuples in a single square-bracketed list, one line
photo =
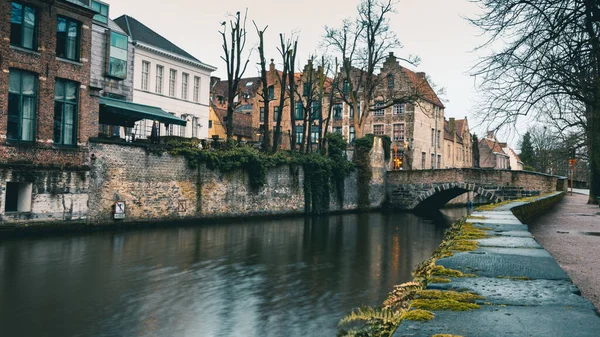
[(435, 138)]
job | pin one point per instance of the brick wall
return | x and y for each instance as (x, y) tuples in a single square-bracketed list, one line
[(48, 68)]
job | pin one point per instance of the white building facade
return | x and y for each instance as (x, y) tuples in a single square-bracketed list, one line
[(166, 76)]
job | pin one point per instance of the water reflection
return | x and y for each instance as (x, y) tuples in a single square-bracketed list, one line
[(292, 277)]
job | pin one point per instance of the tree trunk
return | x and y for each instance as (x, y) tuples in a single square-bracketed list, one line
[(292, 90)]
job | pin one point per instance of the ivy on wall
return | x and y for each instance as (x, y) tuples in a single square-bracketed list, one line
[(362, 161), (321, 171)]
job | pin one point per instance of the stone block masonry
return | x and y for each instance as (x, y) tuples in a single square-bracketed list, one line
[(164, 187)]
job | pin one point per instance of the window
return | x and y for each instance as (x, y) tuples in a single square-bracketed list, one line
[(182, 128), (184, 86), (337, 111), (316, 110), (346, 87), (432, 137), (352, 135), (432, 161), (262, 115), (378, 129), (102, 11), (118, 55), (439, 134), (305, 89), (275, 113), (299, 111), (439, 161), (398, 132), (23, 26), (145, 74), (22, 102), (423, 160), (159, 79), (196, 89), (271, 92), (18, 197), (352, 111), (337, 129), (172, 79), (399, 109), (299, 134), (210, 124), (390, 81), (315, 131), (65, 112), (194, 127), (67, 39), (379, 109)]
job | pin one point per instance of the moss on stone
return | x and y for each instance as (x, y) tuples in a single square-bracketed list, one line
[(419, 315), (437, 305), (445, 335), (443, 271), (463, 245), (449, 295), (439, 280)]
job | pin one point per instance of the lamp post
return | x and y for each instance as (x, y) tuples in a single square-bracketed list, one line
[(572, 162)]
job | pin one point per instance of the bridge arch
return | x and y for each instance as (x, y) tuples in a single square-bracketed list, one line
[(441, 194)]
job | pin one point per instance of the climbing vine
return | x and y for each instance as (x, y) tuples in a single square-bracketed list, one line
[(362, 161), (321, 171)]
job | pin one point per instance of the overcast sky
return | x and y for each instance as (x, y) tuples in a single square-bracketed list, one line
[(432, 29)]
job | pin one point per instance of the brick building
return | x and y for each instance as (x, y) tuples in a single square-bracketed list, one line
[(46, 112), (414, 127)]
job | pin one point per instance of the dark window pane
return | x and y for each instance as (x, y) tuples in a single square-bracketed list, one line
[(58, 109), (12, 129)]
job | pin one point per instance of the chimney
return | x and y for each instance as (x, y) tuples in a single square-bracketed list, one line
[(452, 124), (491, 135), (272, 66), (214, 80)]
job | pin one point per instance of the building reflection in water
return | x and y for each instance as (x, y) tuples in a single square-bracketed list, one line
[(292, 277)]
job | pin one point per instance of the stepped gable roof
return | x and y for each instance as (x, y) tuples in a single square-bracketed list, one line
[(142, 33)]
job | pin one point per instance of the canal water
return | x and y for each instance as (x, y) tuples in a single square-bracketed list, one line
[(287, 277)]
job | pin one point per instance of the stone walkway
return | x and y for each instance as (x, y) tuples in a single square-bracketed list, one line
[(571, 234), (526, 291)]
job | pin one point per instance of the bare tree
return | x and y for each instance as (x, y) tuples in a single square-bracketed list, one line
[(550, 55), (362, 45), (234, 50), (285, 52), (291, 91), (265, 88)]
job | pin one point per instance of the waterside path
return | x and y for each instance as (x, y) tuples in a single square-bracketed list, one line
[(526, 292)]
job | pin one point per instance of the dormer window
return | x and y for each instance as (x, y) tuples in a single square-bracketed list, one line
[(102, 12)]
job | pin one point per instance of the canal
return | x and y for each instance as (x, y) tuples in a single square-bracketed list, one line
[(287, 277)]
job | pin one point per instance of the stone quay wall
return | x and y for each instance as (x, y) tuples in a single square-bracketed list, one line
[(163, 187)]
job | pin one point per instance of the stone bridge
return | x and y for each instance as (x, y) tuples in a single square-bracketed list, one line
[(434, 188)]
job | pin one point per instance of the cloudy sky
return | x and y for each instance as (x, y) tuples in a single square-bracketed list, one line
[(435, 30)]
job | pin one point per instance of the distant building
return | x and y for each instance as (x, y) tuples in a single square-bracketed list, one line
[(168, 77), (458, 148), (515, 162), (491, 154)]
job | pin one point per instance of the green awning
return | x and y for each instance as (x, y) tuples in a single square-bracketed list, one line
[(123, 113)]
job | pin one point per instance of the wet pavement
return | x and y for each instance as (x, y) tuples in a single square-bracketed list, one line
[(526, 291)]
